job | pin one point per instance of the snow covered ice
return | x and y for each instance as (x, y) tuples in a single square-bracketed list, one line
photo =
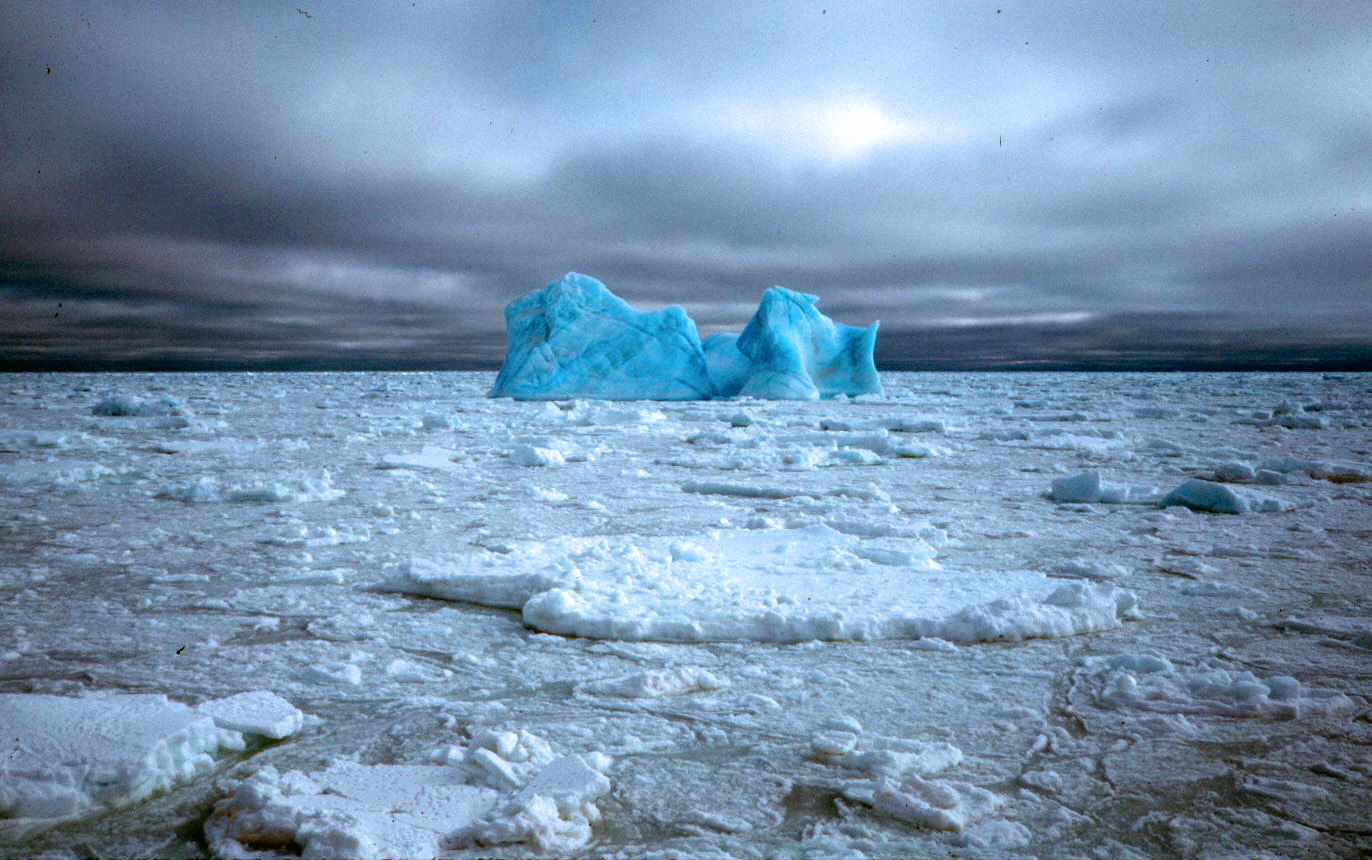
[(72, 756), (574, 338), (385, 614)]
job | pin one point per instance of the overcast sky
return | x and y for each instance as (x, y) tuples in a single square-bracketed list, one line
[(1001, 184)]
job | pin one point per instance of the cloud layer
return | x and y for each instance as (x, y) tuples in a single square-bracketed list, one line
[(1014, 184)]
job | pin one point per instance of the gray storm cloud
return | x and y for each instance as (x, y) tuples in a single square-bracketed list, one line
[(1014, 184)]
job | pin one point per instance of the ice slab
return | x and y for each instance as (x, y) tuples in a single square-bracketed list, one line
[(553, 813), (257, 712), (681, 681), (892, 776), (76, 756), (770, 585), (506, 787), (935, 804), (349, 810), (68, 757), (27, 440), (574, 338)]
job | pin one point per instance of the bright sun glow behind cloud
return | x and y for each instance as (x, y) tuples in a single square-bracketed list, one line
[(839, 128)]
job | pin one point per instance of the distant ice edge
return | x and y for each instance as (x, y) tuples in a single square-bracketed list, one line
[(574, 338)]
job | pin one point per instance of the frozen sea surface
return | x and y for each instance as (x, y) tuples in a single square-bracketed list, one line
[(981, 615)]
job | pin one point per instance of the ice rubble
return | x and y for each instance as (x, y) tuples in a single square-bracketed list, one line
[(766, 585), (305, 488), (60, 471), (503, 788), (1150, 682), (126, 405), (77, 756), (574, 338), (893, 776)]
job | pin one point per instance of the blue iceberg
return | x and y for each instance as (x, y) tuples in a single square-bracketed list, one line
[(574, 338), (795, 352)]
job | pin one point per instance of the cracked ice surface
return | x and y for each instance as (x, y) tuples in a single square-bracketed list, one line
[(221, 563)]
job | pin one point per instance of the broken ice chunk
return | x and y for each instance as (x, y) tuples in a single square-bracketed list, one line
[(259, 712), (1220, 499)]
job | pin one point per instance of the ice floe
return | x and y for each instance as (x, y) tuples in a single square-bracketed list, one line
[(504, 788), (771, 585), (79, 756)]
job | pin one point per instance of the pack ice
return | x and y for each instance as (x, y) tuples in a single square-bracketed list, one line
[(574, 338)]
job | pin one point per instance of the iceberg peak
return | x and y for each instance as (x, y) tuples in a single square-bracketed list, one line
[(574, 338)]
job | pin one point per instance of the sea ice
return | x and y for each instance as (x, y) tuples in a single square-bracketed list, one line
[(891, 776), (124, 404), (76, 756), (1151, 683), (769, 585), (305, 488), (934, 803), (1089, 488), (25, 440), (574, 338), (654, 685), (59, 471), (1220, 499), (257, 712), (506, 787)]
